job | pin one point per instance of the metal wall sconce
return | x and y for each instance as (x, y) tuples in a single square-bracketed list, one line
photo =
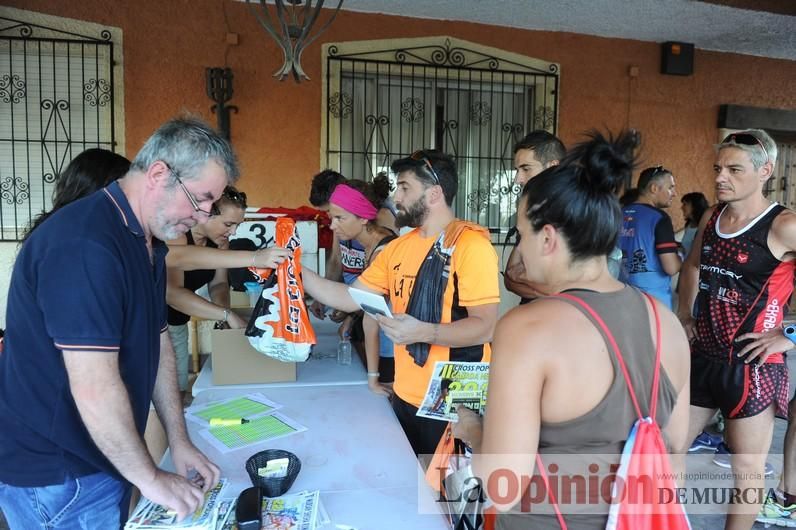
[(291, 30), (219, 89)]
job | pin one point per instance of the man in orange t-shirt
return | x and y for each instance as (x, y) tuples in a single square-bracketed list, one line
[(456, 305)]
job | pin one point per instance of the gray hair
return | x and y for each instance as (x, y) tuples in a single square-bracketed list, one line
[(186, 144), (756, 155)]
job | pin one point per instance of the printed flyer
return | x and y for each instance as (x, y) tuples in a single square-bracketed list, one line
[(452, 384)]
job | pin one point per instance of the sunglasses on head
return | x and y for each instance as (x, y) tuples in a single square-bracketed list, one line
[(235, 196), (420, 156), (657, 170), (746, 138)]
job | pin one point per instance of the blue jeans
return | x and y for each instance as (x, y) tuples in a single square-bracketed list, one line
[(85, 503)]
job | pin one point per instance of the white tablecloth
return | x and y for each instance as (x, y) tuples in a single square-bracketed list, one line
[(353, 451)]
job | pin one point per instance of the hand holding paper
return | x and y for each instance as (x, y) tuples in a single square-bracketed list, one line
[(371, 303), (405, 329)]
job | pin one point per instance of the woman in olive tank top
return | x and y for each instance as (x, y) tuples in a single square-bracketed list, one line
[(555, 388)]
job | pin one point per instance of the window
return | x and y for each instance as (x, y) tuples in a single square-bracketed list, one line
[(470, 101), (57, 98)]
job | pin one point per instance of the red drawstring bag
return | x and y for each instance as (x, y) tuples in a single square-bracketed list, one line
[(280, 324), (644, 454)]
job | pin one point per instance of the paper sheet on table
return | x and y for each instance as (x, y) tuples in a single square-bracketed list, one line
[(258, 430), (250, 406)]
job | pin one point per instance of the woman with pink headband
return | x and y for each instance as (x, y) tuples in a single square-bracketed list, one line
[(353, 207)]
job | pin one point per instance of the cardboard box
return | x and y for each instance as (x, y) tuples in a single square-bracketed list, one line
[(239, 299), (235, 362)]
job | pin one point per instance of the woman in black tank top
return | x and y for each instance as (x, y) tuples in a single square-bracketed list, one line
[(554, 387), (183, 301)]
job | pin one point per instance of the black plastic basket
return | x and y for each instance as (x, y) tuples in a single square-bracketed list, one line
[(273, 487)]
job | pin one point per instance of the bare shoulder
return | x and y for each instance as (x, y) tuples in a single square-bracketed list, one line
[(785, 224), (783, 234), (537, 323)]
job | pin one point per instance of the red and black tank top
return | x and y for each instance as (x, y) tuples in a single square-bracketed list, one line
[(742, 287)]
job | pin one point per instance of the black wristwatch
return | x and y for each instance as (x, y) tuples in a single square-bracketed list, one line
[(790, 332)]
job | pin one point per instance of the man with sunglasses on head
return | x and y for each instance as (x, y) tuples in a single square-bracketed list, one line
[(442, 282), (649, 250), (740, 273), (87, 349)]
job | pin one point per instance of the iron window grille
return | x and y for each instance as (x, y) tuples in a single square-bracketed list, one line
[(56, 100), (470, 101)]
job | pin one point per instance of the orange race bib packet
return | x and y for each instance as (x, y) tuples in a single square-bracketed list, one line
[(280, 325)]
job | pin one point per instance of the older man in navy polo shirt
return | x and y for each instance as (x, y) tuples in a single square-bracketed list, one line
[(87, 348)]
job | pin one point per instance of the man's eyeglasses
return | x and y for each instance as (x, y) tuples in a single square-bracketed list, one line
[(213, 209), (420, 156), (745, 138)]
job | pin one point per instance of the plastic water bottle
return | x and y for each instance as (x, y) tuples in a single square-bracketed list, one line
[(254, 290), (344, 350)]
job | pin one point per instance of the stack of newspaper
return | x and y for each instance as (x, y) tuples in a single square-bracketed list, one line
[(150, 516), (298, 511)]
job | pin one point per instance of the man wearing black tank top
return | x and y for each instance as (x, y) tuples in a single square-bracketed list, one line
[(740, 273)]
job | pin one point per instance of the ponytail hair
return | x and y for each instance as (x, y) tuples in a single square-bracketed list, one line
[(375, 192), (578, 196), (382, 185)]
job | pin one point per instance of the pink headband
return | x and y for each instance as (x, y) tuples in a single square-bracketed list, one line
[(354, 201)]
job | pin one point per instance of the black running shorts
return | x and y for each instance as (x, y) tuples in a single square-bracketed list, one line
[(739, 390)]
